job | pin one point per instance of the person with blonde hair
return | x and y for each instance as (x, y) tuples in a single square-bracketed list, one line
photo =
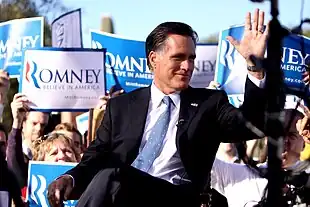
[(70, 131), (55, 147)]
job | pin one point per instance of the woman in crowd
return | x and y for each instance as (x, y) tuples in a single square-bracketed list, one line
[(70, 131), (55, 147)]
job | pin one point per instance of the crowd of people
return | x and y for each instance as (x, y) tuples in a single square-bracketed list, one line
[(164, 145)]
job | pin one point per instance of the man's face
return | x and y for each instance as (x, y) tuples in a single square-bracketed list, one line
[(173, 64), (293, 145), (33, 126), (3, 143)]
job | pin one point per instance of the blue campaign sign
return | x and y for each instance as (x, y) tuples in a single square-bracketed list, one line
[(231, 66), (228, 59), (293, 61), (126, 64), (40, 175), (16, 36)]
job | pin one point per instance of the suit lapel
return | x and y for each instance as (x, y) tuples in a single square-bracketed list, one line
[(138, 108), (188, 108)]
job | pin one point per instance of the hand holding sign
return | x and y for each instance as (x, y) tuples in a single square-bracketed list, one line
[(306, 77), (254, 40), (19, 108), (103, 100), (74, 75)]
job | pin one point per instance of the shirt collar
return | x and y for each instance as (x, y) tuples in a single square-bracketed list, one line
[(157, 96), (27, 151)]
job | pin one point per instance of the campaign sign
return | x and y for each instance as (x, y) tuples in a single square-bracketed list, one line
[(67, 30), (63, 79), (82, 122), (40, 175), (16, 36), (231, 69), (126, 64), (205, 62)]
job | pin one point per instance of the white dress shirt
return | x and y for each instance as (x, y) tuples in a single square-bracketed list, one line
[(237, 183), (168, 164), (240, 185)]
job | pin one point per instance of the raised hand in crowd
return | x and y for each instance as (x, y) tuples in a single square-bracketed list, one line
[(213, 85), (103, 100), (303, 126), (306, 77), (19, 107)]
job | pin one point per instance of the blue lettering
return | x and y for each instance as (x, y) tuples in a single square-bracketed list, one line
[(227, 54), (65, 76), (88, 77), (90, 74), (49, 75), (70, 76), (96, 74), (79, 78), (205, 66)]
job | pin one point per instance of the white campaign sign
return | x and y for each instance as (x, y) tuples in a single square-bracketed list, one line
[(66, 30), (61, 80), (204, 66)]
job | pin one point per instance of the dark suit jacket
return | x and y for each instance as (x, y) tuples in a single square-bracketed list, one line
[(9, 184), (207, 122)]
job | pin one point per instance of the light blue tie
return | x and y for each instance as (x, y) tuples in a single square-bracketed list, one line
[(153, 145)]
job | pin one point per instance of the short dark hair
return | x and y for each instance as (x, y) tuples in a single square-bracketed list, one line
[(27, 113), (291, 118), (158, 36)]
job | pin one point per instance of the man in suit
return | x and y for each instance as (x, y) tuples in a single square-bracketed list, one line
[(156, 145)]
